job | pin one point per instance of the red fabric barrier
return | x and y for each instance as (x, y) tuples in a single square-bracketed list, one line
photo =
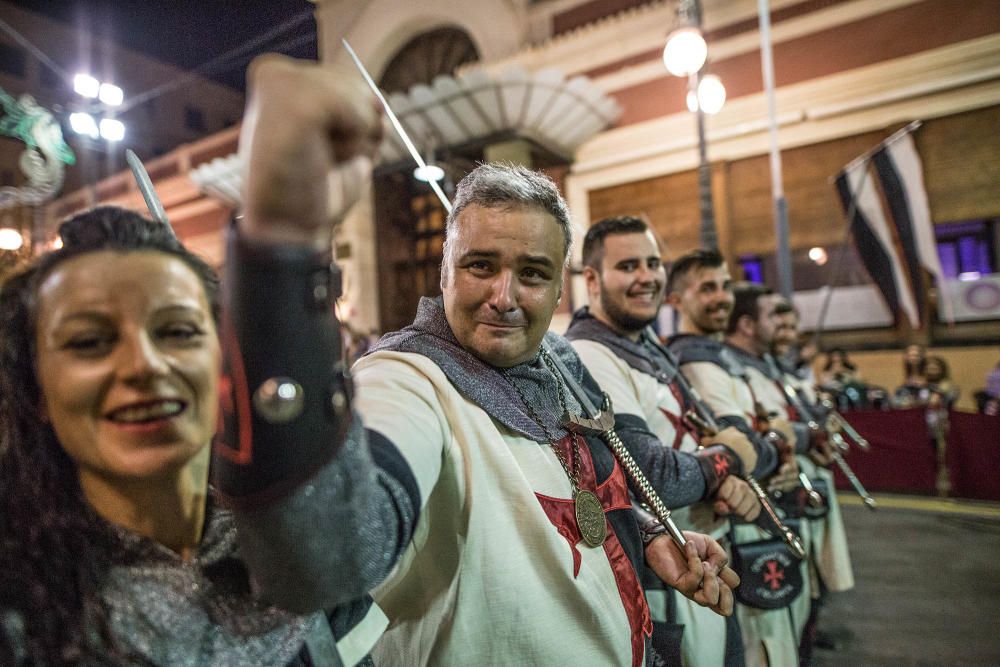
[(902, 458), (974, 456)]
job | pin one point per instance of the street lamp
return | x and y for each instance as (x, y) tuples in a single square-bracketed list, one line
[(109, 95), (112, 129), (711, 95), (684, 55), (430, 172), (685, 52)]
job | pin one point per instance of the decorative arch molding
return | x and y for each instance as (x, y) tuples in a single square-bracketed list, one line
[(440, 51), (380, 28)]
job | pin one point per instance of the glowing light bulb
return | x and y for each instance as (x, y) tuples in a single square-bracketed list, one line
[(685, 52)]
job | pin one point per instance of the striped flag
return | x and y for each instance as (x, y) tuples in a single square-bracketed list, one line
[(900, 174), (875, 241)]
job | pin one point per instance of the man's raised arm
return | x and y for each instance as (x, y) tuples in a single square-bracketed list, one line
[(323, 508)]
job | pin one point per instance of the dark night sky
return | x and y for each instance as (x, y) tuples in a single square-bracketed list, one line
[(189, 33)]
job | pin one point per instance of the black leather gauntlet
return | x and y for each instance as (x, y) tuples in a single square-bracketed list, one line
[(717, 462), (285, 395)]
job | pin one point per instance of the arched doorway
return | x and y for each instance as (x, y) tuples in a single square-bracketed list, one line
[(409, 220)]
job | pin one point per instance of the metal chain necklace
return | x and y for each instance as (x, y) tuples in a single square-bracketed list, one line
[(587, 507)]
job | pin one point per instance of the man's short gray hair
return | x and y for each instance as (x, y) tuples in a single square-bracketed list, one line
[(509, 186)]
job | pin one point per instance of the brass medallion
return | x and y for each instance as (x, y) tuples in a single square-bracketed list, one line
[(590, 518)]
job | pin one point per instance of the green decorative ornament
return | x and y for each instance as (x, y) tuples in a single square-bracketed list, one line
[(43, 160)]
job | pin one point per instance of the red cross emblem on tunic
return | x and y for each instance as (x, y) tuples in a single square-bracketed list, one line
[(679, 427), (774, 575), (613, 494)]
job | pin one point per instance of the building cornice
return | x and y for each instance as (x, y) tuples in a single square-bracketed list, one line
[(940, 82)]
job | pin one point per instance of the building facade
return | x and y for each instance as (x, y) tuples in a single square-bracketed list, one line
[(848, 74)]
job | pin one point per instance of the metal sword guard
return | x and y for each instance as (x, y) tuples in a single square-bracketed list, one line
[(815, 500), (845, 426), (603, 422)]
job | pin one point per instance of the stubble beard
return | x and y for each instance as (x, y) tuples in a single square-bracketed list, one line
[(623, 320)]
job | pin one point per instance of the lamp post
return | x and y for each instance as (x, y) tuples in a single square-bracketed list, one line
[(781, 233), (684, 55)]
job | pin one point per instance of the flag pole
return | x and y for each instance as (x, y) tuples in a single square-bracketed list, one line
[(867, 155), (836, 269)]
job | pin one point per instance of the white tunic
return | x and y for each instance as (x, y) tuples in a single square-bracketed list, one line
[(633, 392), (487, 578)]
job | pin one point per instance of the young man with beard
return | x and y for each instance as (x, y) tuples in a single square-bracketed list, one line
[(509, 531), (831, 570), (625, 282), (699, 287)]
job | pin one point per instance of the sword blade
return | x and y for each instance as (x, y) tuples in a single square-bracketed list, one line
[(142, 179), (855, 482), (400, 130)]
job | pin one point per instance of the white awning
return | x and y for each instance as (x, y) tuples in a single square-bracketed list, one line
[(542, 106)]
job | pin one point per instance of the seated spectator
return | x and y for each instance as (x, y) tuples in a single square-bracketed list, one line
[(943, 392), (839, 369), (913, 392), (840, 383)]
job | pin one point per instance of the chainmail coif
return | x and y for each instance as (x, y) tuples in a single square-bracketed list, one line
[(485, 385)]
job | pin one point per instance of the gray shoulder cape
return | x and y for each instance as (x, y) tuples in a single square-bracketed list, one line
[(430, 335)]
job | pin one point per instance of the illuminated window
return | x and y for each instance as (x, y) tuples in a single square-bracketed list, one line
[(753, 268), (967, 248)]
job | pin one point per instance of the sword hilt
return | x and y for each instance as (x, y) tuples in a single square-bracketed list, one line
[(839, 441), (646, 490), (814, 499), (705, 430), (845, 426), (786, 534)]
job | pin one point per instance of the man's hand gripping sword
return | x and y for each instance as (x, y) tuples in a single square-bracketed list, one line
[(707, 428)]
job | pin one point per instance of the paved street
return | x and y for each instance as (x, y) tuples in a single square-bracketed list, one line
[(928, 587)]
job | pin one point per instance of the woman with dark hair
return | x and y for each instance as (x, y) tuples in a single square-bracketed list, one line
[(838, 367), (111, 548)]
